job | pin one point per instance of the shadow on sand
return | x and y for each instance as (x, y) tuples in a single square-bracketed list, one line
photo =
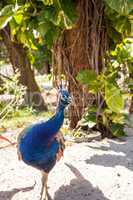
[(117, 153), (79, 189), (8, 195)]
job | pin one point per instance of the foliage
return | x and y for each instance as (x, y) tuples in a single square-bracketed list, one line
[(110, 113), (15, 91), (38, 58), (108, 87), (123, 7), (37, 23), (111, 107), (122, 60), (87, 77), (13, 113), (6, 15), (119, 17), (22, 118)]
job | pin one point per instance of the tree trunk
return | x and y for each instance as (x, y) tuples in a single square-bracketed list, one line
[(19, 61), (82, 47)]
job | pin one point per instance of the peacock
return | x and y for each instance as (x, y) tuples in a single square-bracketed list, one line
[(40, 145)]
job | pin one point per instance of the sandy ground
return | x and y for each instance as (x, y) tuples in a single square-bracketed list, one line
[(89, 171)]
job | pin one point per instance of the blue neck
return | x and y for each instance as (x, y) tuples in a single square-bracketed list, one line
[(60, 114), (60, 108), (56, 121)]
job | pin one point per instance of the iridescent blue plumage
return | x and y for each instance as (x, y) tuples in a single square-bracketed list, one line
[(38, 144)]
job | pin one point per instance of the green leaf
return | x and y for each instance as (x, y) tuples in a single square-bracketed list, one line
[(47, 2), (7, 10), (113, 98), (119, 118), (33, 23), (122, 24), (31, 40), (4, 21), (22, 37), (123, 7), (51, 14), (43, 28), (27, 39), (118, 130), (90, 78), (18, 18), (31, 57), (51, 36), (69, 9), (32, 45), (6, 15), (86, 76), (91, 119), (14, 28)]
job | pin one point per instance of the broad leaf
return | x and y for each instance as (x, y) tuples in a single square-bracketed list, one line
[(119, 118), (91, 119), (31, 40), (52, 14), (51, 36), (4, 21), (14, 28), (22, 37), (86, 76), (113, 98), (7, 10), (123, 7), (118, 130), (43, 28), (31, 57), (47, 2), (6, 15), (27, 39), (90, 78), (18, 18), (69, 9), (122, 24)]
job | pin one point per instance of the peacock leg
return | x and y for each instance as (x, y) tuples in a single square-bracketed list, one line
[(44, 189), (59, 154)]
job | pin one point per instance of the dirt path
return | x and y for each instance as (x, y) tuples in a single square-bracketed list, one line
[(89, 171)]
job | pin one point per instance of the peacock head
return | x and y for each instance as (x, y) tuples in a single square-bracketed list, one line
[(64, 97)]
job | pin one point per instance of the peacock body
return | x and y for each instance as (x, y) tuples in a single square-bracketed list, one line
[(40, 144)]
